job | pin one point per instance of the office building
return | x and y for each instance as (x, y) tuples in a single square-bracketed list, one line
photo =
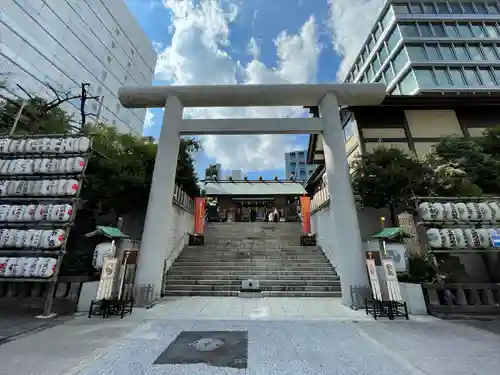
[(296, 165), (236, 174), (419, 47), (213, 171), (64, 43)]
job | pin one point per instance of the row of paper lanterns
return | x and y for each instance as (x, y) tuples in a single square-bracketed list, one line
[(13, 213), (459, 211), (27, 267), (44, 145), (71, 165)]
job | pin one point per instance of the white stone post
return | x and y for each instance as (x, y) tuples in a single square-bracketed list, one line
[(157, 237), (345, 226)]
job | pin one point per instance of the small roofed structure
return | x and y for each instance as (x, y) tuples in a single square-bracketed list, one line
[(249, 200)]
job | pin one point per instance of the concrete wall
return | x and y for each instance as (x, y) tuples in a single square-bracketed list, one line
[(369, 222)]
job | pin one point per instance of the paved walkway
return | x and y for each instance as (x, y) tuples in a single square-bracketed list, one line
[(254, 337)]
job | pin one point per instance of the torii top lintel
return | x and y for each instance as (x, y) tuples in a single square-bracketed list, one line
[(349, 94)]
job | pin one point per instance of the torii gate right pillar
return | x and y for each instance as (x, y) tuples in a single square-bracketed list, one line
[(345, 225)]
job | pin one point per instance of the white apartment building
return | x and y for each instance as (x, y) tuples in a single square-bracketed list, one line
[(67, 42)]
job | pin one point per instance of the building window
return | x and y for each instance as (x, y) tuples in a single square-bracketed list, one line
[(125, 79), (451, 29), (349, 129), (481, 9), (457, 78), (387, 19), (401, 9), (447, 52), (383, 53), (442, 8), (429, 8), (129, 64), (408, 84), (489, 52), (109, 58), (461, 52), (439, 30), (377, 32), (113, 122), (104, 75), (471, 77), (400, 61), (415, 52), (409, 30), (388, 73), (487, 77), (425, 29), (432, 52), (376, 64), (415, 8), (497, 74), (468, 8), (442, 77), (99, 90), (475, 52), (455, 8), (491, 30), (478, 30), (393, 39), (492, 8), (94, 106), (464, 30), (113, 44), (425, 77)]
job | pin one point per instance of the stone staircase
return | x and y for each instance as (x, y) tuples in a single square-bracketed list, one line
[(268, 252)]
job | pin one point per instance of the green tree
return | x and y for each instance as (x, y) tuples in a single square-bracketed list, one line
[(481, 168), (388, 177)]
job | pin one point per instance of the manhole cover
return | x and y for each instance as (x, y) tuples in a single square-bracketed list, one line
[(207, 344)]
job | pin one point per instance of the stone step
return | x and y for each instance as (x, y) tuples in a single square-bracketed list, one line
[(277, 288), (299, 277), (252, 259), (209, 293), (243, 268), (252, 263), (258, 275), (263, 283), (277, 250)]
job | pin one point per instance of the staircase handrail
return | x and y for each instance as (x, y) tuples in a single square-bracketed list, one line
[(166, 261)]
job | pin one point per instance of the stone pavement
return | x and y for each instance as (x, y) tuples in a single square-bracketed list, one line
[(254, 337)]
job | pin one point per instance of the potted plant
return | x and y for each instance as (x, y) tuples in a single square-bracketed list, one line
[(260, 178)]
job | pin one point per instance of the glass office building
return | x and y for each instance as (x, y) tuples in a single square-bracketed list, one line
[(432, 46), (296, 165), (66, 42)]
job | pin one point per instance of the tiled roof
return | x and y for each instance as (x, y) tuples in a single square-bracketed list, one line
[(267, 188)]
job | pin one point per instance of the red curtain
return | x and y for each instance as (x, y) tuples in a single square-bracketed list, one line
[(199, 214), (305, 211)]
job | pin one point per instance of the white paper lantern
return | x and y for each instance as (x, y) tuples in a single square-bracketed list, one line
[(4, 185), (54, 240), (472, 237), (4, 212), (83, 144), (460, 237), (434, 238), (47, 212), (4, 234), (11, 266), (12, 167), (102, 251), (19, 238), (69, 145), (13, 146), (463, 213), (18, 270), (29, 267), (39, 212), (36, 239), (475, 213), (485, 238), (450, 241), (48, 268), (3, 265), (495, 210), (4, 145)]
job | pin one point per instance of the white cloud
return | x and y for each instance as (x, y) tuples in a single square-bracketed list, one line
[(148, 119), (351, 21), (198, 55)]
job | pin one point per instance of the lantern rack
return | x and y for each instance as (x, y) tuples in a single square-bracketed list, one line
[(429, 216), (41, 190)]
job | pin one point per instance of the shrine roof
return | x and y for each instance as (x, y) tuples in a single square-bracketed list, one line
[(253, 187)]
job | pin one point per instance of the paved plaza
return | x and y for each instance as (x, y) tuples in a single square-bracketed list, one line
[(256, 337)]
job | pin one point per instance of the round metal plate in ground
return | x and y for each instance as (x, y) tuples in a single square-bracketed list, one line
[(208, 344)]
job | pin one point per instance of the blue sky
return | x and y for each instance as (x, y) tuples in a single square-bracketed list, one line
[(250, 41)]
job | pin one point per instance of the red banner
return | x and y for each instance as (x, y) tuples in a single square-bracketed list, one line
[(305, 212), (199, 214)]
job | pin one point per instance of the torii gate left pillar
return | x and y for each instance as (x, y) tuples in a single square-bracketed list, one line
[(157, 237)]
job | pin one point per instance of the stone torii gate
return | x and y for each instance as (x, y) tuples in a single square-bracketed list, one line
[(156, 239)]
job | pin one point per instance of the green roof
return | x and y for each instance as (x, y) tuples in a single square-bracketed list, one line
[(391, 233), (110, 232)]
